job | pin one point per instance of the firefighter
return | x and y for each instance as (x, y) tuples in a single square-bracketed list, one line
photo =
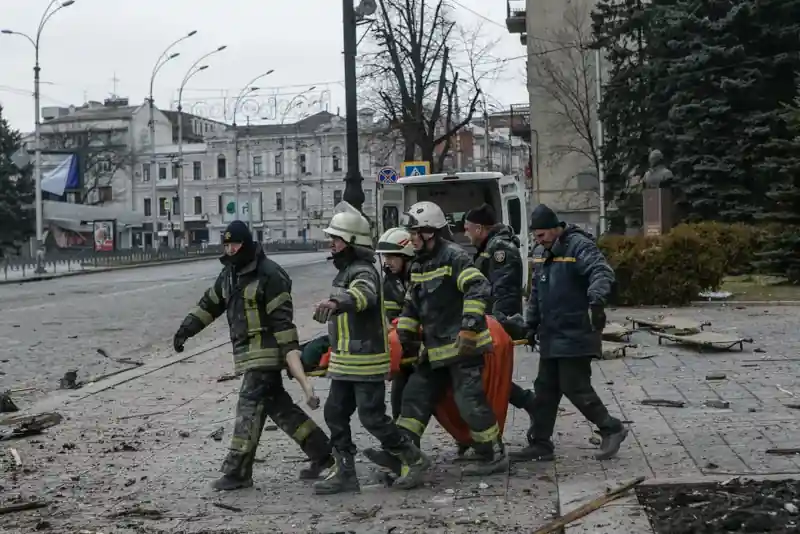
[(397, 251), (499, 259), (571, 285), (255, 293), (447, 299), (359, 359)]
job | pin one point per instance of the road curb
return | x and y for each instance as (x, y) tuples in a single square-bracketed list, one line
[(734, 303), (130, 266)]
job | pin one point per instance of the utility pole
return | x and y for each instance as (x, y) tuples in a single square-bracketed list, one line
[(599, 144), (487, 147), (248, 163)]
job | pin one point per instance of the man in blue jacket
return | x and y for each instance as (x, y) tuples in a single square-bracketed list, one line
[(565, 314)]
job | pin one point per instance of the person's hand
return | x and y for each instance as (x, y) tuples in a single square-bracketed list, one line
[(323, 311), (312, 400), (598, 316), (467, 343), (179, 340)]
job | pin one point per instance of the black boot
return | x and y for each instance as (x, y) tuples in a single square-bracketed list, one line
[(315, 469), (540, 451), (609, 445), (341, 478), (523, 399), (230, 483), (415, 463), (385, 460), (492, 460)]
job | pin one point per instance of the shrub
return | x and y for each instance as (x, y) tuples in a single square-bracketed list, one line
[(778, 251), (669, 270), (739, 243)]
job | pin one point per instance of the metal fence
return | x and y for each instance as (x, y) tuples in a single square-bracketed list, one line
[(70, 260)]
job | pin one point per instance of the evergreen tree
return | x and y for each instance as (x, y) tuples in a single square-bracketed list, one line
[(16, 193)]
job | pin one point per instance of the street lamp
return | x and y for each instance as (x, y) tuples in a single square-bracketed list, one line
[(165, 57), (293, 104), (37, 170), (194, 69), (249, 88)]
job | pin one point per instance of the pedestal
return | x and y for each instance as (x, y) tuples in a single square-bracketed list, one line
[(658, 211)]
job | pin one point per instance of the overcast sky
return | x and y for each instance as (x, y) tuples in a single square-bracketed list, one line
[(85, 46)]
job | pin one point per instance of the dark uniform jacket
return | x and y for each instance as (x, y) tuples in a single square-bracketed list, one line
[(499, 260), (357, 333), (394, 293), (258, 303), (447, 294), (567, 280)]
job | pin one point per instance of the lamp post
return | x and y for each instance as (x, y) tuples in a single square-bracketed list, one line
[(249, 88), (37, 169), (194, 69), (165, 57)]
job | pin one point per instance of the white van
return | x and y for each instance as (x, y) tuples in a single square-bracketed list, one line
[(456, 194)]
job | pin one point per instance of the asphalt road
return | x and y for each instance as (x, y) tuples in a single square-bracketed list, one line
[(50, 327)]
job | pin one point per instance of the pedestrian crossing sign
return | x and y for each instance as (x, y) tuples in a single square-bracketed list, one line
[(415, 168)]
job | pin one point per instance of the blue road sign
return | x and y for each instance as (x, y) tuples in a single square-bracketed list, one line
[(387, 175), (415, 168)]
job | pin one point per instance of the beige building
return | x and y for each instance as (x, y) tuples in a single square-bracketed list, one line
[(562, 92)]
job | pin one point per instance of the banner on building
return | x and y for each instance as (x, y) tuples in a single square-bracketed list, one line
[(229, 207), (104, 235)]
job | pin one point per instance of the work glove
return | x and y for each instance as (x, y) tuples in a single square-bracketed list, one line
[(467, 343), (598, 316), (181, 336)]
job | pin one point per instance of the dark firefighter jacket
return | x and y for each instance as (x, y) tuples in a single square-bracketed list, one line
[(258, 303), (357, 332), (567, 280), (394, 292), (499, 260), (447, 294)]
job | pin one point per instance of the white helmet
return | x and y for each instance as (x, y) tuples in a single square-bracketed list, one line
[(395, 241), (349, 224), (425, 215)]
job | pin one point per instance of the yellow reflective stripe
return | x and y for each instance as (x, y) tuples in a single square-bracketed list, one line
[(431, 275), (337, 366), (203, 316), (239, 444), (257, 359), (484, 255), (359, 297), (278, 301), (412, 425), (407, 323), (303, 431), (484, 338), (478, 307), (392, 305), (342, 333), (360, 359), (252, 316), (538, 260), (442, 353), (369, 285), (286, 336), (211, 293), (565, 259), (466, 275), (486, 436)]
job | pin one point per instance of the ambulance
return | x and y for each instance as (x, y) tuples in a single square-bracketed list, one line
[(456, 194)]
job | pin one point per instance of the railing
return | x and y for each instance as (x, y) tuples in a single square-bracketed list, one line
[(515, 8), (70, 260)]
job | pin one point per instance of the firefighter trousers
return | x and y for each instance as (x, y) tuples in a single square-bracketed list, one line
[(398, 386), (425, 387), (262, 395), (369, 399), (572, 378)]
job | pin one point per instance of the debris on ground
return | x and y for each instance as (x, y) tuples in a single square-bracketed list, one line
[(22, 507), (7, 404), (217, 434), (721, 404), (123, 361), (226, 506), (138, 511), (15, 457), (716, 376), (711, 508), (29, 425), (225, 378), (123, 446), (69, 380), (783, 452), (662, 403)]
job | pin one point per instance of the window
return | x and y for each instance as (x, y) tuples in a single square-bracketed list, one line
[(302, 162), (258, 166), (162, 206), (198, 205), (104, 194), (279, 201), (176, 206), (278, 165), (337, 196), (148, 208), (337, 161), (304, 200), (219, 204), (145, 172), (162, 171), (176, 170), (222, 167), (515, 214), (197, 170)]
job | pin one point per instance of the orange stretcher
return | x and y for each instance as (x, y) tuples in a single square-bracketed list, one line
[(497, 380)]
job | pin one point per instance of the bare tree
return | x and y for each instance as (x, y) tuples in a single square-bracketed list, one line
[(101, 153), (562, 70), (412, 73)]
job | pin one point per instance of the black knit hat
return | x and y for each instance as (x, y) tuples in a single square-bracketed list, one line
[(237, 232), (483, 215), (543, 218)]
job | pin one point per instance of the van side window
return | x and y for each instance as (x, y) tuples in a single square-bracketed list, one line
[(515, 214), (391, 217)]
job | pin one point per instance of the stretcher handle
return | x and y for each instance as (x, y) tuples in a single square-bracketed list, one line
[(407, 361)]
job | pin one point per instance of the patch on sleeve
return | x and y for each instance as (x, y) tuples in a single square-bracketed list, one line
[(500, 256)]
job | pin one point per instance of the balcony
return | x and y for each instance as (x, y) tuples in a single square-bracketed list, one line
[(520, 118), (515, 16)]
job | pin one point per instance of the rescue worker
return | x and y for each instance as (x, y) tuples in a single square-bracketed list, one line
[(255, 293), (359, 359), (397, 251), (447, 299), (498, 258), (566, 315)]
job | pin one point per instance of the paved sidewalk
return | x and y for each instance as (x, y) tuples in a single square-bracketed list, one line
[(145, 443)]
